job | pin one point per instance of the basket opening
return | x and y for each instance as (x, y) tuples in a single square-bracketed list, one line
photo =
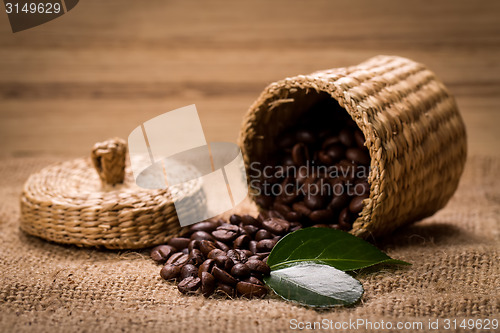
[(309, 143)]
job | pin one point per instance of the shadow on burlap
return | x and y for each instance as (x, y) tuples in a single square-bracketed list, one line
[(49, 287)]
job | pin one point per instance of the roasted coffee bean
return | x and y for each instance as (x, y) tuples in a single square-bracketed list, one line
[(226, 290), (259, 256), (187, 271), (320, 226), (223, 276), (359, 138), (185, 250), (195, 244), (330, 141), (215, 253), (241, 271), (293, 216), (224, 262), (226, 233), (235, 219), (252, 246), (206, 247), (345, 219), (170, 272), (241, 242), (179, 243), (258, 266), (322, 216), (250, 230), (305, 136), (244, 253), (300, 154), (174, 257), (263, 234), (182, 260), (314, 201), (249, 220), (207, 226), (250, 290), (362, 188), (234, 255), (201, 235), (336, 152), (274, 214), (286, 140), (196, 257), (265, 245), (356, 204), (276, 226), (281, 208), (346, 137), (207, 284), (189, 285), (206, 266), (339, 202), (264, 201), (301, 208), (161, 253), (254, 280), (358, 155), (222, 246), (325, 158)]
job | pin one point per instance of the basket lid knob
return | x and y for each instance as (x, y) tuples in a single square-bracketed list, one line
[(108, 158)]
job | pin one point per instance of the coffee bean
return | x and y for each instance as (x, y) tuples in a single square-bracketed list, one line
[(161, 253), (362, 188), (226, 290), (346, 137), (275, 214), (185, 250), (196, 257), (263, 234), (250, 290), (322, 216), (320, 226), (356, 204), (215, 253), (224, 262), (195, 244), (207, 266), (265, 245), (180, 261), (314, 201), (250, 230), (252, 246), (223, 276), (201, 235), (240, 270), (222, 246), (358, 155), (174, 257), (259, 256), (188, 270), (286, 140), (207, 284), (189, 285), (258, 266), (339, 202), (293, 216), (226, 233), (235, 219), (244, 253), (207, 226), (179, 243), (206, 247), (305, 136), (254, 280), (336, 152), (330, 141), (325, 158), (170, 272), (241, 242), (301, 208), (249, 220), (345, 219), (276, 226), (281, 208), (300, 154)]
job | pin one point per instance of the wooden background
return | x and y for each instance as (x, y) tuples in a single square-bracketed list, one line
[(107, 66)]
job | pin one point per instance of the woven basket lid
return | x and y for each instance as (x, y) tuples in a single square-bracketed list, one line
[(71, 203)]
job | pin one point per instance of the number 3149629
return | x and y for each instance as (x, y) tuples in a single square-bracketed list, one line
[(33, 8)]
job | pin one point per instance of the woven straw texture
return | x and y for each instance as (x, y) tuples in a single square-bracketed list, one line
[(46, 287), (71, 203), (413, 130)]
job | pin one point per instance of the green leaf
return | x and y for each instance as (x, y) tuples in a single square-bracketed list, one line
[(331, 247), (315, 285)]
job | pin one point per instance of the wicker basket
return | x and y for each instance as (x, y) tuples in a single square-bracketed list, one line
[(413, 130), (71, 203)]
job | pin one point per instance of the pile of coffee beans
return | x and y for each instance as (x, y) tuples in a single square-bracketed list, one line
[(224, 258), (319, 175)]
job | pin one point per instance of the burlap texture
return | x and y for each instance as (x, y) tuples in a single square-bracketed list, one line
[(53, 288)]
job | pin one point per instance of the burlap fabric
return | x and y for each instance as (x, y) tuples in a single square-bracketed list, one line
[(54, 288)]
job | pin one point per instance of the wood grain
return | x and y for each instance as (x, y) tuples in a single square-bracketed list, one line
[(105, 67)]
